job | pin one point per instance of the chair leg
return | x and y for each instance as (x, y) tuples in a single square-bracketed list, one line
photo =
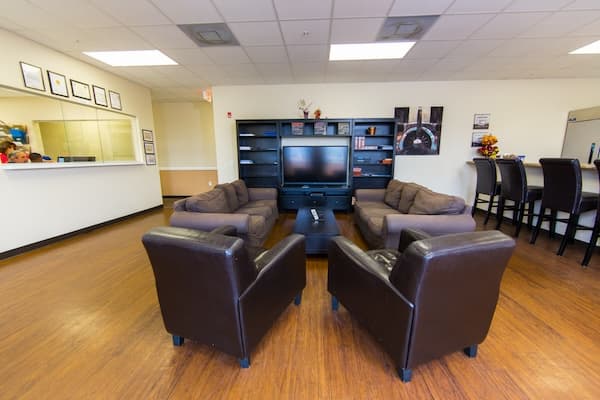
[(538, 226), (552, 225), (405, 374), (500, 212), (489, 210), (471, 351), (530, 210), (335, 304), (570, 231), (298, 299), (474, 204), (519, 212), (245, 362), (177, 340), (591, 245)]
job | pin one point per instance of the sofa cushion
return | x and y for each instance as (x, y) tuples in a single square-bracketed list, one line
[(392, 193), (213, 201), (432, 203), (230, 195), (255, 209), (407, 197), (241, 190)]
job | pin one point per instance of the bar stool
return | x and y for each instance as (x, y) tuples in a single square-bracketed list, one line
[(562, 192), (514, 187), (487, 184), (596, 230)]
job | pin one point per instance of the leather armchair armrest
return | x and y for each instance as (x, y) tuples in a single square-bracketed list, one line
[(227, 230), (210, 221), (369, 194), (262, 194), (407, 236)]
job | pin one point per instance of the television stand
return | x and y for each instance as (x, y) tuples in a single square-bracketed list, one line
[(335, 198)]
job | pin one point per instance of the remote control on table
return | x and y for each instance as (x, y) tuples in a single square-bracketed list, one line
[(314, 214)]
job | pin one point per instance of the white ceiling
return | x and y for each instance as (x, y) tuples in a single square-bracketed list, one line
[(472, 39)]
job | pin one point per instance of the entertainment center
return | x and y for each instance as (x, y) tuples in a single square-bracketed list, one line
[(316, 163)]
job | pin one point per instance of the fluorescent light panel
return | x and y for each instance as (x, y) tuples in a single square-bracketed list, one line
[(592, 48), (369, 51), (131, 58)]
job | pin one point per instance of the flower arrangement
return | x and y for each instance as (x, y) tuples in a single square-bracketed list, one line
[(303, 106), (317, 113), (488, 146)]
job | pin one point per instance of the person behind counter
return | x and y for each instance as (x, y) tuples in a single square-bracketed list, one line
[(36, 157), (6, 148), (18, 156)]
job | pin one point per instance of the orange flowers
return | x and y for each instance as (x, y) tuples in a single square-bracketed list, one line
[(488, 146)]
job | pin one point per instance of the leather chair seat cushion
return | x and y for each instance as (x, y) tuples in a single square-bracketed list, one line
[(213, 201), (385, 257), (393, 193), (241, 190), (230, 195), (431, 203), (409, 192)]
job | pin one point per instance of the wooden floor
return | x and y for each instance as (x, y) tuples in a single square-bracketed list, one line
[(80, 320)]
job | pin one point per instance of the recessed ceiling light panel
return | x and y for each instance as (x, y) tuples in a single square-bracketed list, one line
[(592, 48), (134, 58), (369, 51)]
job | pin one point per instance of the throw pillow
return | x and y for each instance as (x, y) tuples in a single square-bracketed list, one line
[(230, 195), (407, 197), (392, 193), (432, 203), (241, 191), (213, 201)]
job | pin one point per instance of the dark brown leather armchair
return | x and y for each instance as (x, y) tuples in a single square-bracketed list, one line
[(210, 290), (435, 296)]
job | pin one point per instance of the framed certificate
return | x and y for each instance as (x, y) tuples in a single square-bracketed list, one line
[(81, 90)]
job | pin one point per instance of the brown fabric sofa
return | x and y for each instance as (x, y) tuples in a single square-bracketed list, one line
[(381, 214), (252, 211)]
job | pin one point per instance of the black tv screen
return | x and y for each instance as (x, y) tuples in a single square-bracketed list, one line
[(304, 165)]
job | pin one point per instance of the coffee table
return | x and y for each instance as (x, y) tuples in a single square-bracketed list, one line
[(317, 233)]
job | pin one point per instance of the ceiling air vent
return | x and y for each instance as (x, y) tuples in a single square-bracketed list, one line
[(209, 34), (396, 29)]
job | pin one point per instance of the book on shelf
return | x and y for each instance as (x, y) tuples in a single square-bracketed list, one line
[(320, 128), (343, 128), (297, 128)]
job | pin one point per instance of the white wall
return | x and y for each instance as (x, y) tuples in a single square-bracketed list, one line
[(528, 116), (39, 204)]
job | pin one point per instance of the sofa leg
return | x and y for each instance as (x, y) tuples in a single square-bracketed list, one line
[(245, 362), (177, 340), (405, 374), (298, 299), (471, 351), (335, 304)]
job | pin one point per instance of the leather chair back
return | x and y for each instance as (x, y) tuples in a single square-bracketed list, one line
[(562, 184), (486, 175), (513, 179)]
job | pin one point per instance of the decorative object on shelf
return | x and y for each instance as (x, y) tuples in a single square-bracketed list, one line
[(32, 76), (58, 84), (297, 128), (320, 128), (343, 128), (115, 100), (317, 113), (80, 89), (304, 106), (371, 130), (488, 146), (421, 137), (99, 96)]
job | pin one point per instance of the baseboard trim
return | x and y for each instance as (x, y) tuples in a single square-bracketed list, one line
[(37, 245)]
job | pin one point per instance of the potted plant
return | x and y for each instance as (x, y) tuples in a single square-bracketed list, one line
[(303, 106)]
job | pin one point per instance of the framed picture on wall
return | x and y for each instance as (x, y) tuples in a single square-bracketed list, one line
[(150, 159), (99, 96), (58, 84), (115, 100), (149, 147), (147, 135), (32, 76), (80, 89)]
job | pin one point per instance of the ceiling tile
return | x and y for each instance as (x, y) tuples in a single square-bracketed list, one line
[(275, 72), (477, 6), (537, 5), (224, 55), (431, 48), (471, 48), (592, 29), (452, 63), (356, 30), (309, 68), (24, 13), (583, 5), (132, 12), (419, 7), (240, 10), (456, 27), (62, 38), (508, 25), (165, 37), (80, 14), (104, 39), (306, 9), (256, 33), (267, 54), (188, 12), (305, 32), (561, 23), (310, 53), (189, 56), (361, 8)]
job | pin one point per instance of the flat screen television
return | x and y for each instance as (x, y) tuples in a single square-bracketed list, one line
[(305, 165)]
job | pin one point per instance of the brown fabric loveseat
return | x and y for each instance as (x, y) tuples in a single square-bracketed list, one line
[(381, 214), (252, 211)]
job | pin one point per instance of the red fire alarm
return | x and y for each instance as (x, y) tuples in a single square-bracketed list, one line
[(229, 114)]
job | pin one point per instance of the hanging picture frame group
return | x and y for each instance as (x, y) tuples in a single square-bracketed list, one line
[(32, 76), (58, 84)]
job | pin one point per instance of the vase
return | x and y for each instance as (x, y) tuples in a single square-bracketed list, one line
[(305, 114)]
